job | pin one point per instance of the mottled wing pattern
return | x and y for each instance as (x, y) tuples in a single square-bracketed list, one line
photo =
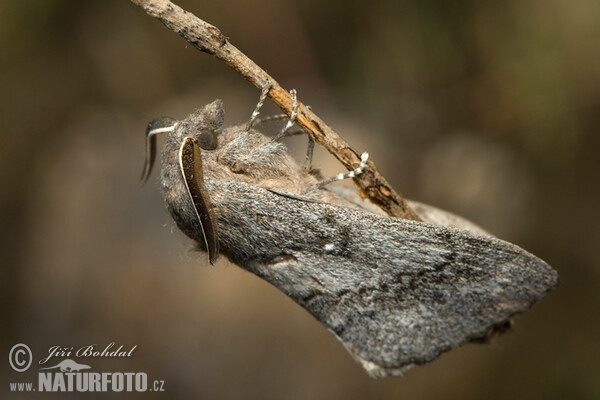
[(396, 293)]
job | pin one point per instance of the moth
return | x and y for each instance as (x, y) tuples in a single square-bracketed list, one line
[(396, 293)]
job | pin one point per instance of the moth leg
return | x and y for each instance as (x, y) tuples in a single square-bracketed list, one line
[(309, 153), (364, 157), (311, 142), (271, 118), (261, 101), (286, 132), (292, 119), (155, 127), (277, 117), (254, 120)]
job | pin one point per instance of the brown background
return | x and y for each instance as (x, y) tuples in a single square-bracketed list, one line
[(488, 109)]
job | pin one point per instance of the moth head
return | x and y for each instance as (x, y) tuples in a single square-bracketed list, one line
[(204, 126), (207, 125), (206, 140), (197, 132)]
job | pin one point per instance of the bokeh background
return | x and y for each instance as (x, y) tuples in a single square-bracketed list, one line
[(486, 108)]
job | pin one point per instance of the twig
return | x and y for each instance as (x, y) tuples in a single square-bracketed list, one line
[(208, 38)]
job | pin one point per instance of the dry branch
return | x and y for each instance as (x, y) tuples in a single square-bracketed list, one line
[(208, 38)]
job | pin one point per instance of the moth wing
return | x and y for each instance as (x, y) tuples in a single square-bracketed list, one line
[(295, 196), (190, 162), (427, 213), (396, 293), (438, 216)]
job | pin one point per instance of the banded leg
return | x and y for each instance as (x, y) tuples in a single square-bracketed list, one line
[(261, 101), (293, 116), (254, 120), (363, 164), (271, 118)]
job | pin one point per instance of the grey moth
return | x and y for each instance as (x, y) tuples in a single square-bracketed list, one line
[(396, 293)]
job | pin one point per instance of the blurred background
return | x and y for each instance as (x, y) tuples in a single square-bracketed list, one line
[(488, 109)]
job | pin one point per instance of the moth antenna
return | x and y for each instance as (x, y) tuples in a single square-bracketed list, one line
[(293, 116), (261, 100), (155, 127), (364, 157)]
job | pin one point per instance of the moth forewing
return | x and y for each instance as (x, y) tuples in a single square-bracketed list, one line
[(396, 293), (190, 162)]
